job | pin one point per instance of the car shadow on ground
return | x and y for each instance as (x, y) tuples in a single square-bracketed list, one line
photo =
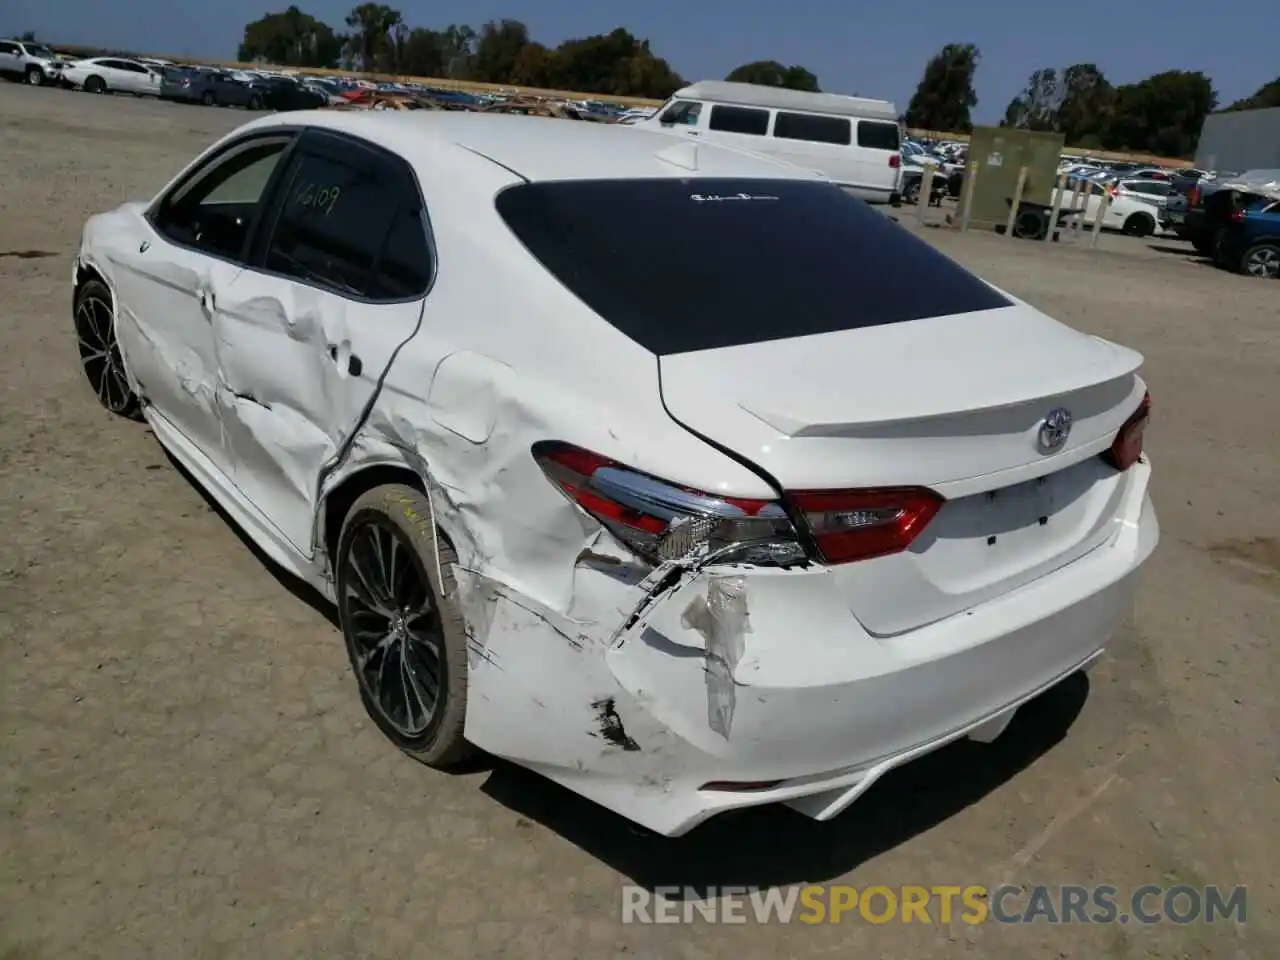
[(762, 846), (1188, 252), (775, 846)]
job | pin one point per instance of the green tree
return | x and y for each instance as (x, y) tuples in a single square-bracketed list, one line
[(498, 50), (1162, 114), (1268, 95), (28, 36), (1087, 99), (420, 53), (291, 38), (616, 63), (771, 73), (534, 67), (1036, 107), (371, 25), (945, 95), (459, 47)]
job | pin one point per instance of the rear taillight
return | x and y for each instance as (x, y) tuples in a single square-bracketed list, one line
[(1126, 449), (895, 160), (1236, 216), (663, 521), (852, 525), (1193, 196)]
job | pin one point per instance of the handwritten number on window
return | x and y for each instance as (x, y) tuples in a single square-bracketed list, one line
[(318, 198)]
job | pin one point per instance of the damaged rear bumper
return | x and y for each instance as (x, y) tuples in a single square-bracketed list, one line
[(793, 701)]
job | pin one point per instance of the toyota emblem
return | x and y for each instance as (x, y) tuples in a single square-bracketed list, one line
[(1054, 429)]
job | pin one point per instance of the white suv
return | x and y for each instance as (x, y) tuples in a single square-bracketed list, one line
[(34, 61)]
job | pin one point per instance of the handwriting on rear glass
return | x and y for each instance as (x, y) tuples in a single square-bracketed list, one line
[(719, 198), (322, 199)]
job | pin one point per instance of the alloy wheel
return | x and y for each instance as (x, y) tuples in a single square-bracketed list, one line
[(1263, 262), (100, 354), (394, 627)]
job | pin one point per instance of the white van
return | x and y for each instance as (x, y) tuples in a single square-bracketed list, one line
[(853, 141)]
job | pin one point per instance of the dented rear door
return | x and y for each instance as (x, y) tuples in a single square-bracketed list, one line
[(304, 336)]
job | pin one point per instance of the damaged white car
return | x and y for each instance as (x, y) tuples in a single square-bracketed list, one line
[(809, 502)]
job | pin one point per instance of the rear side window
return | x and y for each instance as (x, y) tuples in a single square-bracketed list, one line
[(349, 227), (878, 135), (730, 262), (739, 120), (807, 126)]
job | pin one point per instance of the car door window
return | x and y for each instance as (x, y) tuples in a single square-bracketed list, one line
[(811, 127), (683, 112), (215, 209), (350, 225), (8, 48), (739, 120)]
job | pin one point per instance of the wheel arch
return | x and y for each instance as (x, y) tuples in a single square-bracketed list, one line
[(351, 487)]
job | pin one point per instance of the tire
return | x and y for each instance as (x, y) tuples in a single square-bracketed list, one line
[(1262, 260), (100, 356), (208, 99), (369, 608), (255, 102), (95, 85), (1139, 225), (35, 76), (911, 195), (1030, 225), (1203, 245)]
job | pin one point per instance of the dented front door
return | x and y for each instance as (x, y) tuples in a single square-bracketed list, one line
[(305, 334)]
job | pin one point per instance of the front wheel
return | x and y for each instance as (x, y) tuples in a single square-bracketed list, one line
[(1262, 260), (255, 102), (35, 76), (911, 194), (405, 636), (208, 99), (100, 355)]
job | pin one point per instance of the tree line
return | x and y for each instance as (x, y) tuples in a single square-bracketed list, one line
[(1161, 115)]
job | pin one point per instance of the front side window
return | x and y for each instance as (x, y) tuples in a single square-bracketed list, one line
[(879, 135), (808, 126), (684, 113), (351, 228), (39, 51), (214, 210), (739, 120)]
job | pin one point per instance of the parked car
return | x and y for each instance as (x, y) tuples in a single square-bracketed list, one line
[(34, 62), (210, 87), (1135, 206), (284, 93), (1197, 211), (679, 554), (1249, 241), (112, 75)]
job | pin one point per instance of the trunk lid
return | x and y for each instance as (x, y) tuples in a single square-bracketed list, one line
[(953, 403)]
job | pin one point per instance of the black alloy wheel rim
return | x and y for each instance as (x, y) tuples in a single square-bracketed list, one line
[(100, 353), (393, 625)]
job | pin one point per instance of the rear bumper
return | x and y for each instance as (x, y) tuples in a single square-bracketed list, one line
[(813, 706)]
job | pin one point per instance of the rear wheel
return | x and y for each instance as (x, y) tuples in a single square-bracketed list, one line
[(1140, 225), (95, 85), (100, 355), (405, 635), (255, 102), (1262, 260)]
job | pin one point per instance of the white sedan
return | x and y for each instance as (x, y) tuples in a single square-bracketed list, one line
[(112, 75), (810, 504)]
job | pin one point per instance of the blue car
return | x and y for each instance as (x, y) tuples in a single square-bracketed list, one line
[(1250, 240)]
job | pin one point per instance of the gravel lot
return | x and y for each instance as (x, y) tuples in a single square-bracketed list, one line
[(187, 771)]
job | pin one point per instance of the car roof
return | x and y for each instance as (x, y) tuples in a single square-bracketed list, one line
[(780, 98), (547, 148)]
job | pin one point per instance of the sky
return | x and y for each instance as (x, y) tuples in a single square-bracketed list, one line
[(875, 49)]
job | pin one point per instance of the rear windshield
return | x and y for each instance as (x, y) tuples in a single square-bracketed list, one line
[(683, 265)]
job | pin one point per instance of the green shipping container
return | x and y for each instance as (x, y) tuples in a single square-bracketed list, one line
[(996, 155)]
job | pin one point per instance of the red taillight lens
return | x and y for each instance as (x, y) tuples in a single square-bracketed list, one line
[(895, 160), (1193, 196), (1126, 449), (1236, 216), (852, 525), (662, 521)]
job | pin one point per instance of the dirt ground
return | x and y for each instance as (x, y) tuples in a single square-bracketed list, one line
[(187, 771)]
